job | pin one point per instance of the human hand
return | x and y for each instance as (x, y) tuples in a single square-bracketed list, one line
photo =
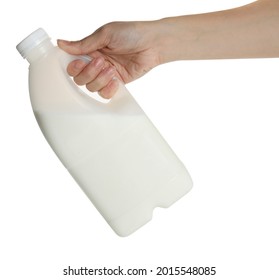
[(119, 50), (127, 50)]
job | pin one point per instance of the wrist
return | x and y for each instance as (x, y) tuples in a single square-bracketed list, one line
[(161, 37), (174, 39)]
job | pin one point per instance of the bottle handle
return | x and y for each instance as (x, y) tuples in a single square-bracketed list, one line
[(121, 91), (122, 101)]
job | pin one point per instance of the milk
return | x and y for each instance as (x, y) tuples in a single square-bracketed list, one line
[(112, 150)]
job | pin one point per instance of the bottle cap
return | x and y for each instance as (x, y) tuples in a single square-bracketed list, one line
[(32, 41)]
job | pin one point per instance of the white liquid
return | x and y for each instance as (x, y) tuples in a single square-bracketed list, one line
[(121, 163)]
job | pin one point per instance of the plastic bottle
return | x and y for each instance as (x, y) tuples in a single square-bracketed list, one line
[(112, 150)]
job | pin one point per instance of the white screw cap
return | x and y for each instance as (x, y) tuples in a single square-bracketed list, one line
[(31, 41)]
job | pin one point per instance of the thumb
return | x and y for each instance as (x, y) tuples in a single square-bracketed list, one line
[(85, 46)]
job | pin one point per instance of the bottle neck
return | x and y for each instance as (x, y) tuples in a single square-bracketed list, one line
[(39, 51)]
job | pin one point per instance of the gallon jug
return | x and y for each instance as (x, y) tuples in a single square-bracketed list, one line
[(112, 150)]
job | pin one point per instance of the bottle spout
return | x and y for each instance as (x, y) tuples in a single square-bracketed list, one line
[(34, 45)]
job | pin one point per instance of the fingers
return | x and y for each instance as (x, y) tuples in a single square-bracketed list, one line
[(98, 75), (110, 89), (102, 80), (84, 73)]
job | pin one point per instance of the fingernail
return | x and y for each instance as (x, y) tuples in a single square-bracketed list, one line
[(63, 42), (79, 64), (110, 70), (98, 62)]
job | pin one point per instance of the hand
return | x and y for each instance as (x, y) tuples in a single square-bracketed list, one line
[(119, 50)]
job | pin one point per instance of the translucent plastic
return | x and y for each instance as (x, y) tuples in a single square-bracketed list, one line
[(112, 150)]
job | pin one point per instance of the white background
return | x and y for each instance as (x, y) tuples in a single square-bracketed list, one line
[(220, 117)]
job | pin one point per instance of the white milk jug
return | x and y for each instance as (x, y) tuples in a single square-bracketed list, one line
[(112, 150)]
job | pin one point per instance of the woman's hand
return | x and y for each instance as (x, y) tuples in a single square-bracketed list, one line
[(119, 50)]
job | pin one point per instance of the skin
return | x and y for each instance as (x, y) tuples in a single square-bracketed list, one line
[(128, 50)]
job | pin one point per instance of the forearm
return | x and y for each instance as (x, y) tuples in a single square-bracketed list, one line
[(251, 31)]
